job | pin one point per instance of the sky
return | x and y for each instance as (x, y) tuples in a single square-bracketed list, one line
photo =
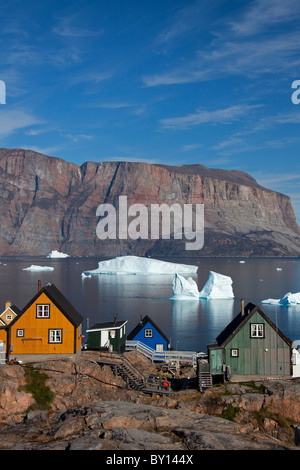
[(168, 81)]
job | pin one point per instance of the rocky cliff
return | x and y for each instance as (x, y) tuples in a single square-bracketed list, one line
[(92, 409), (50, 204)]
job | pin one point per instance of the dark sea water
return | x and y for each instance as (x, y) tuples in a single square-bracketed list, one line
[(189, 324)]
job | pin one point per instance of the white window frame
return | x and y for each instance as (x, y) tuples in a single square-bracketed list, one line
[(43, 311), (55, 336), (20, 333), (257, 330), (148, 333), (234, 352)]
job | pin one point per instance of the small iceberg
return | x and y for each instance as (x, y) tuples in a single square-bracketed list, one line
[(218, 286), (38, 268), (287, 299), (140, 265), (57, 254), (184, 288), (84, 276)]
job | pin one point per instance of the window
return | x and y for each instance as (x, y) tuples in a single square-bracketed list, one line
[(8, 317), (20, 333), (43, 311), (234, 352), (257, 330), (55, 336), (148, 333)]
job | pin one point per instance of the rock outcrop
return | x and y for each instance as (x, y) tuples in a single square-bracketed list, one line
[(93, 409), (50, 204)]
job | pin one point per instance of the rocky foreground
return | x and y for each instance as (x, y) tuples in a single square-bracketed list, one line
[(92, 409)]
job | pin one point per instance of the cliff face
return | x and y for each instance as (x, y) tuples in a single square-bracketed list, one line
[(48, 203)]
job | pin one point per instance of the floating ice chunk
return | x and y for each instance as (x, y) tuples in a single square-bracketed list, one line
[(287, 299), (241, 262), (57, 254), (84, 276), (34, 267), (184, 288), (218, 286), (140, 265), (278, 269)]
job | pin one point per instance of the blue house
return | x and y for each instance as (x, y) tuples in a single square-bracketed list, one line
[(148, 333)]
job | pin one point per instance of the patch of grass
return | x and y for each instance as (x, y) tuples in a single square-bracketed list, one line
[(253, 386), (230, 412), (36, 385)]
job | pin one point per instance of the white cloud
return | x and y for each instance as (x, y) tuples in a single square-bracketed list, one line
[(224, 116), (71, 27), (263, 14), (15, 120)]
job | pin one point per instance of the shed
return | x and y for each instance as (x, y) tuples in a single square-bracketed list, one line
[(148, 333), (251, 344), (108, 335)]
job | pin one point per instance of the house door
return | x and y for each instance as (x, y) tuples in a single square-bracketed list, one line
[(104, 338)]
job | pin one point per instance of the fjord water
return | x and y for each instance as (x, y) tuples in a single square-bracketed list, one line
[(188, 324)]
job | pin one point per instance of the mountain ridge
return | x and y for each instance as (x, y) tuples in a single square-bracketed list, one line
[(48, 203)]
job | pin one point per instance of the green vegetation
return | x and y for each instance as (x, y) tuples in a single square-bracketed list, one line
[(36, 385), (230, 412)]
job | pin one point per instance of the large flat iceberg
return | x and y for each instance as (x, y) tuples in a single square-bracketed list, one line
[(218, 286), (287, 299), (57, 254), (139, 265), (34, 267)]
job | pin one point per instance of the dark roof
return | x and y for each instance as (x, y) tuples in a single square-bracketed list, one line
[(238, 322), (59, 300), (107, 325), (141, 325), (15, 309)]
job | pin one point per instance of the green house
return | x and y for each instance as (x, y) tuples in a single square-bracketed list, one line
[(108, 335), (251, 344)]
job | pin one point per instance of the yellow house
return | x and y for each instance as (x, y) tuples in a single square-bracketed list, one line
[(48, 324), (10, 312)]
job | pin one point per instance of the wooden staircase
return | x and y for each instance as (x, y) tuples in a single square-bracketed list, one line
[(124, 368), (204, 376), (134, 379)]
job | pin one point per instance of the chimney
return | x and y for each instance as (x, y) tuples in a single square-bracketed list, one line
[(242, 307), (115, 319), (39, 286), (7, 304)]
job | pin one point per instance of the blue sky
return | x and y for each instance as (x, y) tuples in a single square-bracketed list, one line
[(168, 81)]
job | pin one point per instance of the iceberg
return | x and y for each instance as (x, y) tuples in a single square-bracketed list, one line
[(139, 265), (57, 254), (84, 276), (218, 286), (184, 288), (287, 299), (34, 267)]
